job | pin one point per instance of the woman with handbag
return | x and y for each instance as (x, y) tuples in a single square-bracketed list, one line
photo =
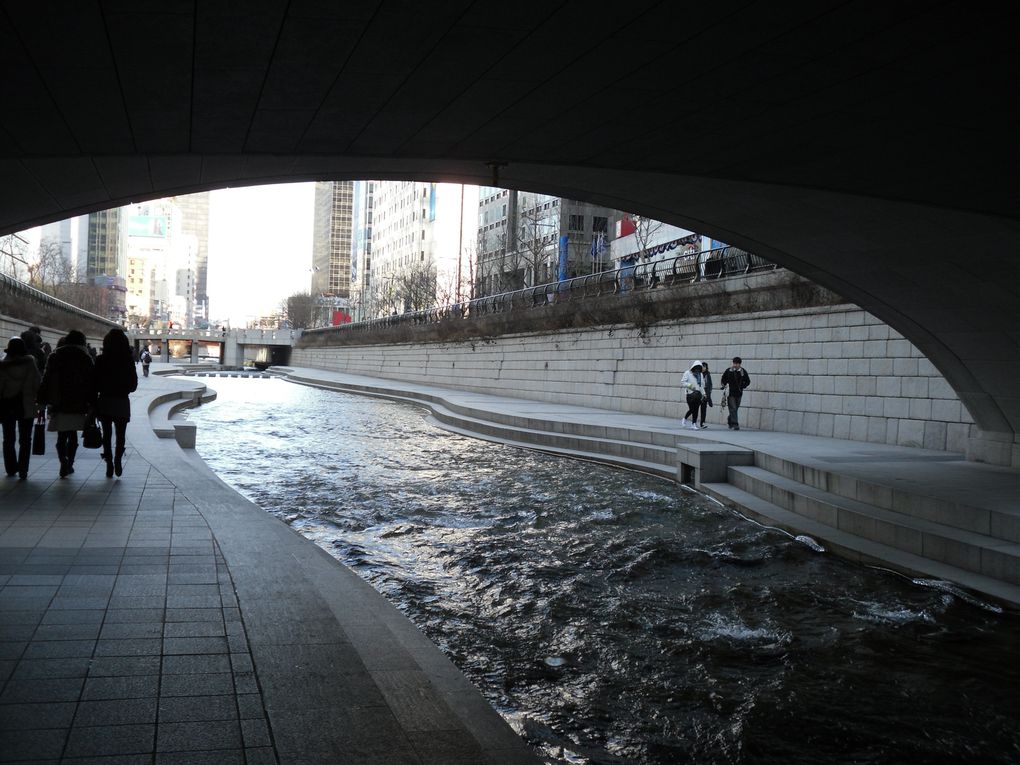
[(693, 384), (116, 379), (69, 387), (19, 384)]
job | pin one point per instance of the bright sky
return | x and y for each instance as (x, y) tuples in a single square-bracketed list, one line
[(260, 249)]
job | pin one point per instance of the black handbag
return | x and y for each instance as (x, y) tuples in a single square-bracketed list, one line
[(39, 435), (91, 436)]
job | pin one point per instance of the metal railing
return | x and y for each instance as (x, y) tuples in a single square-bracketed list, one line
[(668, 273), (11, 286)]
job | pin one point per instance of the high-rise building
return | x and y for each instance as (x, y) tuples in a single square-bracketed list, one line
[(362, 219), (331, 250), (163, 260), (100, 245), (58, 235), (194, 210), (420, 253), (526, 239)]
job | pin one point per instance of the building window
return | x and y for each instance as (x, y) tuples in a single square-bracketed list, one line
[(576, 223), (599, 223)]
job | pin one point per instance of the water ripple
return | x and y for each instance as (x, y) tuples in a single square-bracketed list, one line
[(615, 618)]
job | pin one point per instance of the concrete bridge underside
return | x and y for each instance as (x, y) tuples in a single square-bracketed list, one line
[(868, 146)]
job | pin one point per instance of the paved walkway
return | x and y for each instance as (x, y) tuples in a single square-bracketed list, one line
[(161, 617)]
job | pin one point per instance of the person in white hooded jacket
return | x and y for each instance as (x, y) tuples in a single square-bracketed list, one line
[(693, 385)]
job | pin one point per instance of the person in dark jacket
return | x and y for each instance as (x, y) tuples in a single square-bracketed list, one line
[(116, 378), (706, 400), (69, 387), (734, 381), (19, 385), (33, 346)]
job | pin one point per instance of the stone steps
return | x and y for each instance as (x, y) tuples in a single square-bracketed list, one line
[(659, 461), (913, 501), (649, 452)]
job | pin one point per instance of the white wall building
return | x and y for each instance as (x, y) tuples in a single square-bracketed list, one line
[(421, 229)]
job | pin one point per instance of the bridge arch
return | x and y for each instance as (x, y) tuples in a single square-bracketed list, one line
[(872, 150)]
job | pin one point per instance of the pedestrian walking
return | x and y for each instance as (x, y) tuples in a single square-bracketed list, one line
[(69, 387), (693, 386), (116, 378), (146, 360), (32, 338), (734, 381), (707, 400), (19, 386)]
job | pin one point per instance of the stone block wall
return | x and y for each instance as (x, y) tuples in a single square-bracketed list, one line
[(831, 371)]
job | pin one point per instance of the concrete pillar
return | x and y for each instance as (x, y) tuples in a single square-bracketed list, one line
[(194, 351)]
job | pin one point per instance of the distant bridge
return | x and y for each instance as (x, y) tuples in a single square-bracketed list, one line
[(230, 347)]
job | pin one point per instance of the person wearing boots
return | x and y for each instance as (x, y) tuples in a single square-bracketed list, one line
[(19, 384), (69, 387), (116, 378)]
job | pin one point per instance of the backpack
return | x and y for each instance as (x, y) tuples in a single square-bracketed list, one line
[(146, 357)]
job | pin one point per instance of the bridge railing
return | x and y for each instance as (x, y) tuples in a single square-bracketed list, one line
[(669, 273), (9, 286)]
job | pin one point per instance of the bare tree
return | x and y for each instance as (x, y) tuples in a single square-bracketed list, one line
[(645, 230), (298, 310), (534, 247), (14, 256), (51, 269), (416, 285)]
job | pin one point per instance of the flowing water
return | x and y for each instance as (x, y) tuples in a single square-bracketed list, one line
[(613, 617)]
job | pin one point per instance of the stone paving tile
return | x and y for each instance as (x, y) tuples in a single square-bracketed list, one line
[(134, 615), (249, 706), (131, 630), (255, 733), (198, 736), (129, 647), (29, 669), (58, 649), (16, 632), (134, 711), (216, 684), (37, 715), (182, 645), (121, 687), (42, 690), (124, 666), (74, 616), (197, 708), (31, 745), (217, 757), (96, 741), (260, 756), (196, 664), (440, 747), (195, 629), (194, 614)]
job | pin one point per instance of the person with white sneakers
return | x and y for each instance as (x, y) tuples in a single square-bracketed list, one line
[(693, 385)]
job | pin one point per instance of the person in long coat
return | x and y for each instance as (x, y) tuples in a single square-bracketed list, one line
[(116, 378), (69, 388), (19, 385)]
